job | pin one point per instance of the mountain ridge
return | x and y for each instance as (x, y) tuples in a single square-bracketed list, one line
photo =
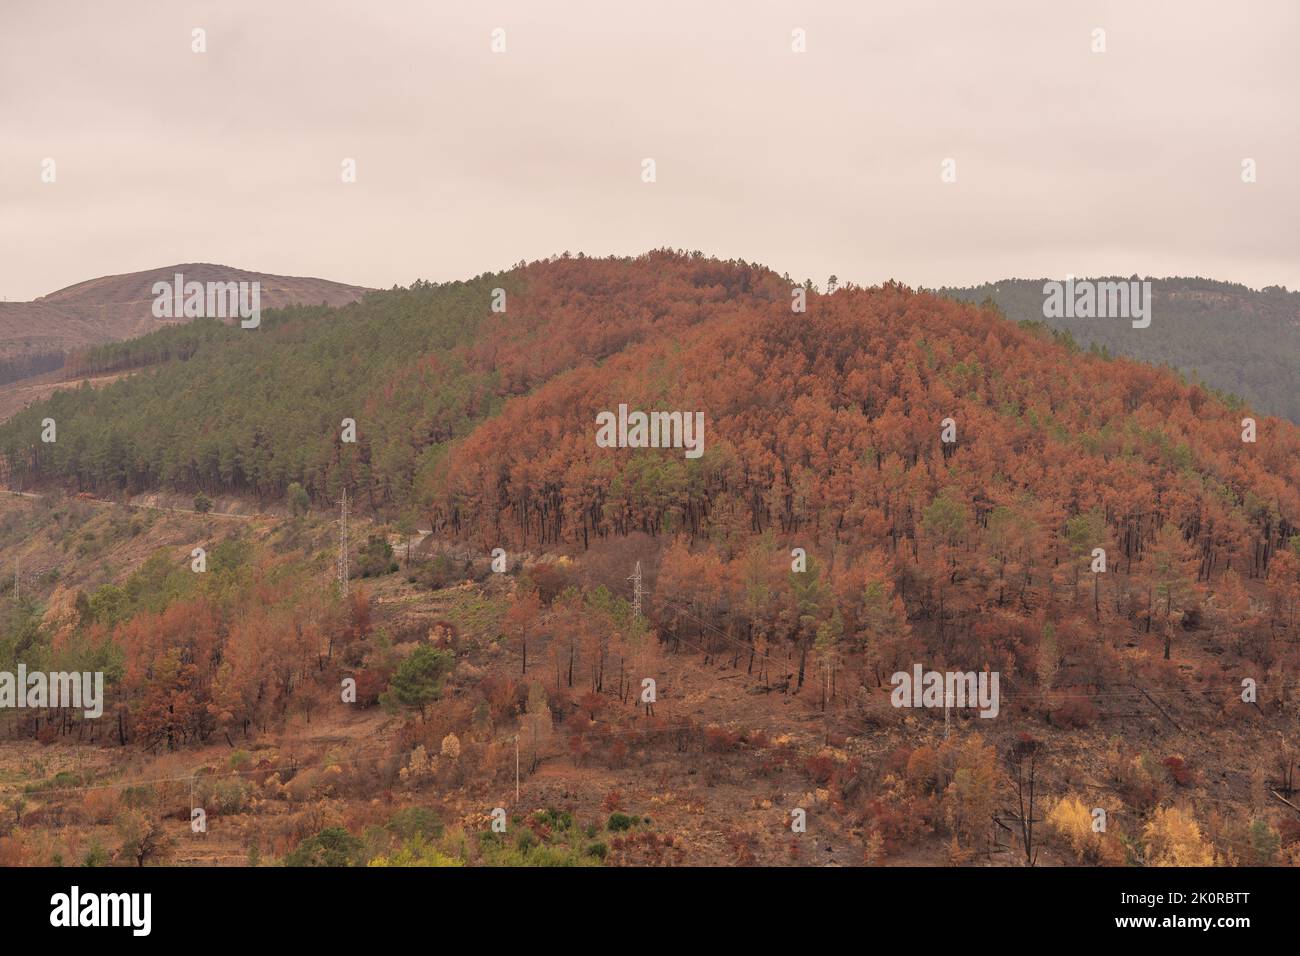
[(39, 335), (422, 370), (1231, 337)]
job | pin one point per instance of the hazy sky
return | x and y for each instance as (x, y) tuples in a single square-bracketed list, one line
[(829, 161)]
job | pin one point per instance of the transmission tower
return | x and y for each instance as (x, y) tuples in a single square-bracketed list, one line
[(343, 542), (635, 578)]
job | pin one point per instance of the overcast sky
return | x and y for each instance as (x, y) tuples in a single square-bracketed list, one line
[(829, 161)]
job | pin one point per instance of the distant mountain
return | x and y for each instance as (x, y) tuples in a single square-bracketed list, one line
[(1232, 338), (38, 336)]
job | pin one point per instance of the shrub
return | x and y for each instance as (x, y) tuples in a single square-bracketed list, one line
[(416, 852), (333, 846), (621, 821), (376, 557), (226, 795), (540, 855), (551, 579), (415, 822), (555, 819), (371, 683), (721, 739), (819, 768), (1179, 771), (137, 797), (1264, 842), (443, 571), (1076, 712), (96, 855), (922, 768)]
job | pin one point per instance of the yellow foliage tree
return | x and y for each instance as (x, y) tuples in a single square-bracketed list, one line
[(970, 798), (1073, 822), (1173, 838)]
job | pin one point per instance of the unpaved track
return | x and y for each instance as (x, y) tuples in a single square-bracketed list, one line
[(135, 507)]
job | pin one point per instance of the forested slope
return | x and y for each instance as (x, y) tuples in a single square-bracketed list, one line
[(252, 412), (1232, 338), (827, 537), (824, 423)]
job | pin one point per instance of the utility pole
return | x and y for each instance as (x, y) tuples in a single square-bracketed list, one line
[(343, 543), (516, 770), (635, 578)]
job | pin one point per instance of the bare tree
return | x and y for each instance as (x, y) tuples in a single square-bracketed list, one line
[(1023, 759), (1285, 768), (143, 836)]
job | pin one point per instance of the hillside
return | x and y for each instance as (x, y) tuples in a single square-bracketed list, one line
[(39, 336), (800, 407), (889, 480), (1232, 338)]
